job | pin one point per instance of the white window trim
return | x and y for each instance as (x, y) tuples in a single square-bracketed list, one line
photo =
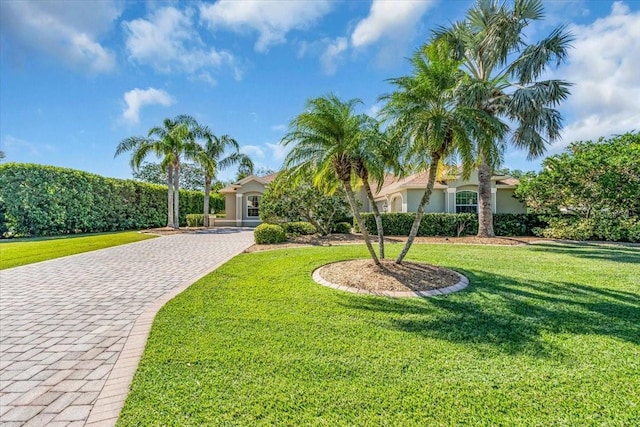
[(259, 196), (455, 200)]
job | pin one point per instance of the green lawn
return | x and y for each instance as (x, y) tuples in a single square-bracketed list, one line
[(544, 335), (26, 251)]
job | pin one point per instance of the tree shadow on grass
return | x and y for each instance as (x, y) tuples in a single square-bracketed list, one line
[(618, 253), (512, 316)]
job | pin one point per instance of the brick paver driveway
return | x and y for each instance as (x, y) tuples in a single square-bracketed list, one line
[(65, 323)]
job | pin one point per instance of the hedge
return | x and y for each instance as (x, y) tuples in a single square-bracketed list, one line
[(266, 234), (42, 200), (451, 225)]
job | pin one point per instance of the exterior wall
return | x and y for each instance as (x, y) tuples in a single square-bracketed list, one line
[(506, 203), (361, 197), (252, 186), (230, 206), (436, 201)]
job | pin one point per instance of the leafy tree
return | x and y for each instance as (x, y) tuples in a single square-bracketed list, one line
[(211, 159), (287, 200), (191, 175), (326, 136), (2, 155), (427, 120), (171, 142), (264, 171), (590, 180), (503, 78)]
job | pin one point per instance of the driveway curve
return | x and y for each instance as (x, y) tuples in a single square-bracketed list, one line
[(72, 330)]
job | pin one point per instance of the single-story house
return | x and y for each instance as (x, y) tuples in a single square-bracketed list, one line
[(451, 194)]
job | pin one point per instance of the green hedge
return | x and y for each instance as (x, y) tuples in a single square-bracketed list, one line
[(266, 234), (300, 228), (449, 224), (47, 200)]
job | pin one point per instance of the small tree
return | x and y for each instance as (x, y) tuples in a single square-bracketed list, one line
[(286, 200)]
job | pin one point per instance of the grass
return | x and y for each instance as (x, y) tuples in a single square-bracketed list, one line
[(14, 253), (544, 335)]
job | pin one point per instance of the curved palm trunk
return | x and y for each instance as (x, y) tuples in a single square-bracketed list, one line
[(356, 213), (207, 191), (485, 214), (376, 215), (170, 196), (176, 197), (433, 169)]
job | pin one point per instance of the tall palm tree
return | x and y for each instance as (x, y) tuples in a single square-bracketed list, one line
[(427, 120), (504, 80), (171, 141), (325, 137), (210, 159)]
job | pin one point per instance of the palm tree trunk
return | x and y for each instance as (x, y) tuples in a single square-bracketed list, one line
[(376, 215), (207, 190), (485, 214), (433, 169), (176, 197), (356, 213), (170, 196)]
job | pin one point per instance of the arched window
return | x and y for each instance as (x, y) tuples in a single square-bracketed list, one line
[(253, 206), (466, 202)]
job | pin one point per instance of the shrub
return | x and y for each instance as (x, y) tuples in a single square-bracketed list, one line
[(46, 200), (300, 228), (569, 228), (452, 225), (269, 233), (341, 228), (195, 220)]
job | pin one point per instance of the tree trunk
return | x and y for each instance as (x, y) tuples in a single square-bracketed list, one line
[(433, 169), (170, 196), (356, 213), (176, 197), (376, 215), (207, 190), (485, 214)]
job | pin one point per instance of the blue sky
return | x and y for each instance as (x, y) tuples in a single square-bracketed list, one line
[(76, 77)]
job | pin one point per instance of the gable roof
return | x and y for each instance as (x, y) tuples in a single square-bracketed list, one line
[(264, 180)]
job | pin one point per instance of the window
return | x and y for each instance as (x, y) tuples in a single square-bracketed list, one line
[(253, 206), (466, 202)]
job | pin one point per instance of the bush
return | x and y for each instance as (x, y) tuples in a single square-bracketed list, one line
[(452, 225), (607, 228), (46, 200), (569, 228), (342, 228), (266, 234), (195, 220), (299, 228)]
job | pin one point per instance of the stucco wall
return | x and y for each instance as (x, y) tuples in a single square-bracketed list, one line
[(506, 203), (436, 201), (230, 206)]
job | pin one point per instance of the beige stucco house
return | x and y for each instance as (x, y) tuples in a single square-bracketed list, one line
[(452, 194)]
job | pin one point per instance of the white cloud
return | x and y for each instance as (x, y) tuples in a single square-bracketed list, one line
[(603, 66), (389, 19), (252, 150), (19, 146), (279, 151), (168, 42), (138, 98), (279, 128), (67, 30), (333, 54), (271, 19)]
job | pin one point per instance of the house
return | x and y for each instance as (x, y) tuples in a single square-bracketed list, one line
[(242, 201), (451, 194)]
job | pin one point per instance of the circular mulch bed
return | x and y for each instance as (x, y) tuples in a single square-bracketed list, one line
[(390, 279)]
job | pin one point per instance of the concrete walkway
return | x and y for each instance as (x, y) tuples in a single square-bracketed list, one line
[(68, 344)]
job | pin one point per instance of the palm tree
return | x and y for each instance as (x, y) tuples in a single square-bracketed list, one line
[(325, 137), (503, 79), (425, 117), (171, 141), (209, 159)]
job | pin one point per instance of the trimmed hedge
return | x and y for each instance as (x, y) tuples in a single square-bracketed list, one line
[(47, 200), (608, 228), (451, 225), (300, 228), (269, 233), (342, 228)]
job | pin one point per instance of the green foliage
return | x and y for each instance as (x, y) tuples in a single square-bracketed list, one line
[(16, 252), (542, 333), (341, 228), (452, 225), (600, 227), (266, 234), (299, 228), (191, 175), (287, 201), (47, 200), (195, 220)]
